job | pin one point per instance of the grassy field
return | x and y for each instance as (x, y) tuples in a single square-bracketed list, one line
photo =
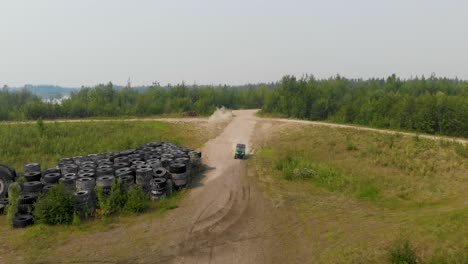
[(25, 143), (355, 196)]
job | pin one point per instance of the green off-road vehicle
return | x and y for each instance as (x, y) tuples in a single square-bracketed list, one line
[(240, 151)]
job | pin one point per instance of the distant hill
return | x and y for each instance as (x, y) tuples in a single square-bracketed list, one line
[(49, 91)]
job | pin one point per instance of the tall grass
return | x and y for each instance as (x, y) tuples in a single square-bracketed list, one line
[(372, 187), (47, 142)]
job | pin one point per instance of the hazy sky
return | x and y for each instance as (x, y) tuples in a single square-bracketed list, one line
[(85, 42)]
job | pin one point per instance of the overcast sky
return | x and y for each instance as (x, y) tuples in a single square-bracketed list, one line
[(85, 42)]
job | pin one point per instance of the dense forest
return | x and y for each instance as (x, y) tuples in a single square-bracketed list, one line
[(107, 100), (433, 105)]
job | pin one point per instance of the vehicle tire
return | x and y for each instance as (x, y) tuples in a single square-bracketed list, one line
[(69, 168), (123, 171), (183, 160), (105, 181), (2, 208), (51, 170), (27, 199), (160, 172), (32, 187), (158, 183), (69, 181), (82, 196), (176, 167), (82, 172), (120, 165), (85, 184), (32, 167), (32, 176), (104, 171), (51, 178), (88, 175), (23, 220), (7, 175)]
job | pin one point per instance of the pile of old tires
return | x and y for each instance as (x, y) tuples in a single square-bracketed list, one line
[(160, 168)]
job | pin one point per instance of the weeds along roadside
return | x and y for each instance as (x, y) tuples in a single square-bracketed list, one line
[(396, 184)]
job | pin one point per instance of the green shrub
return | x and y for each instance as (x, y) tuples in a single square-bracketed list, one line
[(56, 207), (118, 196), (137, 201), (115, 201), (14, 192), (402, 252)]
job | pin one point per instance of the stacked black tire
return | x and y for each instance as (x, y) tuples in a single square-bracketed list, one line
[(158, 167)]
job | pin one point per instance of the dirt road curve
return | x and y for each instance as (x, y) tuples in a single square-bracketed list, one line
[(243, 113)]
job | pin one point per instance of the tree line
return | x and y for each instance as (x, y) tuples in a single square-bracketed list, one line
[(429, 105), (433, 105), (108, 100)]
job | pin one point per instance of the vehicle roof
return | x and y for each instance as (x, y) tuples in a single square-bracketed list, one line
[(241, 145)]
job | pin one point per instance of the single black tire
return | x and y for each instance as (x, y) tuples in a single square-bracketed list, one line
[(104, 171), (23, 220), (120, 165), (51, 178), (85, 184), (69, 168), (32, 176), (105, 181), (51, 170), (160, 172), (82, 196), (31, 187), (166, 162), (104, 166), (88, 167), (158, 184), (154, 164), (32, 167), (27, 199), (81, 172), (2, 208), (183, 160), (178, 168), (125, 173), (123, 170), (146, 174), (69, 180)]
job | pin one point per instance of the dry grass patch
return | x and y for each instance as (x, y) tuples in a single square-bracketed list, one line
[(348, 195)]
